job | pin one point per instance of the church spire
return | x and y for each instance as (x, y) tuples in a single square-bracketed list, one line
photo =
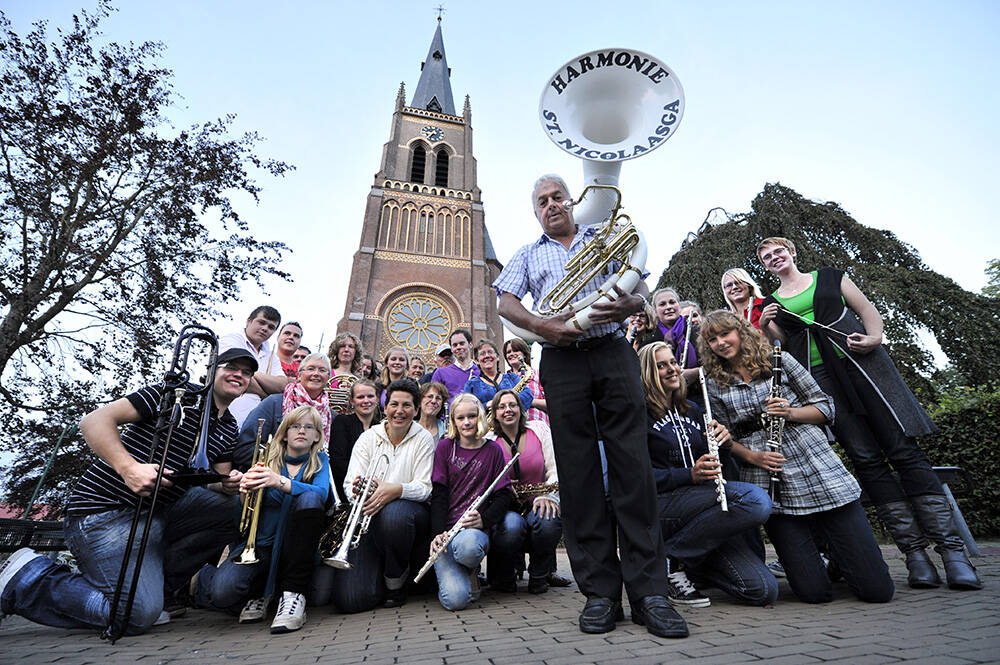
[(434, 87)]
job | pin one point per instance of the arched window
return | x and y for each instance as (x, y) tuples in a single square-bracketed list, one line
[(441, 172), (419, 162)]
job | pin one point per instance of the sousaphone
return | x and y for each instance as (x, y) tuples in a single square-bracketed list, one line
[(605, 107)]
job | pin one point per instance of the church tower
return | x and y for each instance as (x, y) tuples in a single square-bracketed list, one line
[(425, 261)]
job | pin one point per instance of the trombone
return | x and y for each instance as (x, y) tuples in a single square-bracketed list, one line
[(357, 521), (253, 501), (176, 386)]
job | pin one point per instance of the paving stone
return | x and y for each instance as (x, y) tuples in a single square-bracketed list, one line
[(937, 626)]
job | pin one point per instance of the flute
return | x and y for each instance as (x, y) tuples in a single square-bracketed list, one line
[(713, 445), (458, 525), (687, 337)]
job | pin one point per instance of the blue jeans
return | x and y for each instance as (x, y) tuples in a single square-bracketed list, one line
[(516, 534), (49, 593), (847, 533), (712, 544), (457, 562), (380, 561)]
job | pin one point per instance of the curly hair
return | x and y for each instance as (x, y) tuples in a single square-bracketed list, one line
[(754, 355), (338, 343), (658, 400)]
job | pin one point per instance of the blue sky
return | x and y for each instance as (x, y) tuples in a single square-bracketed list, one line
[(887, 108)]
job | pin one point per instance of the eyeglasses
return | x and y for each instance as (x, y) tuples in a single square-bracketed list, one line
[(729, 286), (317, 369), (308, 427), (238, 369)]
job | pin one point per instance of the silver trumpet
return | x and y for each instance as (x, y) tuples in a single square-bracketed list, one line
[(357, 521)]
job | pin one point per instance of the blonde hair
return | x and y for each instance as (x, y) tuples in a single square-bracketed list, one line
[(482, 428), (279, 442), (754, 354), (775, 240), (656, 294), (658, 400), (743, 276), (386, 379)]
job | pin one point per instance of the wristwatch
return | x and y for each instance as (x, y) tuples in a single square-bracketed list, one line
[(282, 481)]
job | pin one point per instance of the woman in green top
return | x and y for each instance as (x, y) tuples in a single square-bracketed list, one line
[(877, 417)]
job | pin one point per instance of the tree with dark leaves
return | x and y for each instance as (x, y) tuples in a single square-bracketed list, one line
[(911, 297), (115, 229)]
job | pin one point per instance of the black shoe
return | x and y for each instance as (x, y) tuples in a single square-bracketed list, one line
[(600, 614), (659, 618), (921, 572), (554, 579), (538, 585), (959, 571), (395, 597), (680, 591)]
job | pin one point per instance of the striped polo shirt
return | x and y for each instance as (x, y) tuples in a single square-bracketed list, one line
[(100, 488)]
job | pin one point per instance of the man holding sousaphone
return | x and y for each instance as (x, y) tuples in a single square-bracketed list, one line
[(605, 106), (584, 372)]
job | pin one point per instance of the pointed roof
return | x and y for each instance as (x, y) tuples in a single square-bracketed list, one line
[(434, 87)]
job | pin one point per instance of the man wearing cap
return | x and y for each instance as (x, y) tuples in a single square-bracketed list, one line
[(442, 357), (187, 526)]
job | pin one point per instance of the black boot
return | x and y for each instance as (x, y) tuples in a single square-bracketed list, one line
[(898, 517), (934, 513)]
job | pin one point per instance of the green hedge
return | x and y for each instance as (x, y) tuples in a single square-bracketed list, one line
[(969, 423), (969, 420)]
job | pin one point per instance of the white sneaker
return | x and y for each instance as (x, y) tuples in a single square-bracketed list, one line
[(254, 610), (13, 565), (291, 613), (162, 619)]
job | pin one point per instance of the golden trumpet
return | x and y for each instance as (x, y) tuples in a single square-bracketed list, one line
[(252, 501)]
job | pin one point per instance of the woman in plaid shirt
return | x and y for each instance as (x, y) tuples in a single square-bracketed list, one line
[(819, 498)]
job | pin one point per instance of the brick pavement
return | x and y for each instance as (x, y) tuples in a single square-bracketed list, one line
[(938, 627)]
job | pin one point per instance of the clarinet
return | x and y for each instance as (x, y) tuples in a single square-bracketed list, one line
[(774, 425), (713, 445), (458, 525)]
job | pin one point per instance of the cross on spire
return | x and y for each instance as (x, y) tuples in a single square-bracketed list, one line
[(440, 10)]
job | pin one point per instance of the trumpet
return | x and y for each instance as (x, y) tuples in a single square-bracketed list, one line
[(252, 501), (713, 445), (357, 521)]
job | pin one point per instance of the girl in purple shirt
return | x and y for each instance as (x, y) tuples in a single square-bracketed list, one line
[(465, 464)]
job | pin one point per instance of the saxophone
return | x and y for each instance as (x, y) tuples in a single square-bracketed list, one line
[(774, 425)]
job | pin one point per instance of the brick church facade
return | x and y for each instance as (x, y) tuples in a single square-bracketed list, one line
[(425, 261)]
